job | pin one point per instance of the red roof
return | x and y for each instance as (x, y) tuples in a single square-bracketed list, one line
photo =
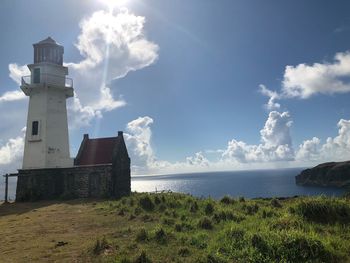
[(96, 151)]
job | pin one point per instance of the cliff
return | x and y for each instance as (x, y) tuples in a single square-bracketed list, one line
[(326, 174)]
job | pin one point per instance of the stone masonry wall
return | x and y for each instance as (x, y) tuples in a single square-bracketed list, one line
[(98, 181)]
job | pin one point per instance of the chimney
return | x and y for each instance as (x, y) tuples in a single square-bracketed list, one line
[(86, 136), (120, 133)]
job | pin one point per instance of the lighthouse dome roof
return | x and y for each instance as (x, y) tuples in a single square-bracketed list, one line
[(47, 41)]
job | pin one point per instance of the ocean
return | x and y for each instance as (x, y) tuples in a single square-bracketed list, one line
[(250, 184)]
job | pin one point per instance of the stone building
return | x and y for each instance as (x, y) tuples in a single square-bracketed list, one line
[(102, 165)]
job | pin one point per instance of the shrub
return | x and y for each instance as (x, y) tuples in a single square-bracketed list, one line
[(143, 258), (194, 207), (209, 208), (267, 213), (226, 200), (205, 223), (251, 209), (241, 199), (178, 227), (142, 235), (259, 243), (122, 212), (275, 203), (100, 246), (199, 241), (146, 203), (157, 200), (184, 252), (324, 210), (137, 211), (162, 207), (168, 221), (160, 236), (214, 259), (298, 248)]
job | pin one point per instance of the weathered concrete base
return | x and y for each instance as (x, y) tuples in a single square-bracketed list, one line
[(97, 181)]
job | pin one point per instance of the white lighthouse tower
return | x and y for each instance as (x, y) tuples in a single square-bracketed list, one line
[(46, 141)]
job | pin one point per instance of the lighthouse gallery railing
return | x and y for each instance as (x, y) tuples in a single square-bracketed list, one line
[(49, 79)]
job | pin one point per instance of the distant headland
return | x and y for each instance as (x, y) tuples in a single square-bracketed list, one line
[(335, 174)]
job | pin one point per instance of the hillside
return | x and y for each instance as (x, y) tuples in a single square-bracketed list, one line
[(336, 174), (173, 227)]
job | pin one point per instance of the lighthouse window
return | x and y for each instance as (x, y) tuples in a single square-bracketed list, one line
[(36, 78), (35, 128)]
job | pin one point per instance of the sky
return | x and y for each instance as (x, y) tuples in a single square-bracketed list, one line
[(197, 85)]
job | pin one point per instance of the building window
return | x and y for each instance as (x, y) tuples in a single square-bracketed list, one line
[(36, 78), (35, 128)]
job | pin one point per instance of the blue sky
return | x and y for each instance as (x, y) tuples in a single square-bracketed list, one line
[(186, 86)]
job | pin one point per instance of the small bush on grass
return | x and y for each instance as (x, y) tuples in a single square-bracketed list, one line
[(178, 227), (157, 200), (146, 203), (194, 207), (160, 235), (184, 252), (199, 241), (142, 235), (100, 246), (205, 223), (250, 209), (241, 199), (226, 200), (143, 258), (209, 208), (276, 203), (300, 248), (324, 210), (168, 221)]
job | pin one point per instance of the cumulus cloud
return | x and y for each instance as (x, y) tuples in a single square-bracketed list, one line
[(334, 149), (198, 160), (138, 140), (276, 143), (11, 153), (16, 73), (112, 44), (309, 150), (12, 96), (273, 96), (305, 80), (143, 159)]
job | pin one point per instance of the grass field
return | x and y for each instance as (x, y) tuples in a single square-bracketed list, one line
[(172, 227)]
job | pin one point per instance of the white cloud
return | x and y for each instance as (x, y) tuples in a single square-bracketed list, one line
[(198, 160), (334, 149), (112, 44), (17, 72), (11, 154), (12, 96), (305, 80), (276, 143), (309, 150), (138, 141), (273, 96)]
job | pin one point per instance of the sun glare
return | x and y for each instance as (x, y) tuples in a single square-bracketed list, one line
[(111, 4)]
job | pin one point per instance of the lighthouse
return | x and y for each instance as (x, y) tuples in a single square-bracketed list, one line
[(46, 141)]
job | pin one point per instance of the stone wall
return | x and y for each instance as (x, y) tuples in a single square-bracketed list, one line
[(97, 181)]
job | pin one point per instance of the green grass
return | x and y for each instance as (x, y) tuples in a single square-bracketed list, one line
[(171, 227)]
